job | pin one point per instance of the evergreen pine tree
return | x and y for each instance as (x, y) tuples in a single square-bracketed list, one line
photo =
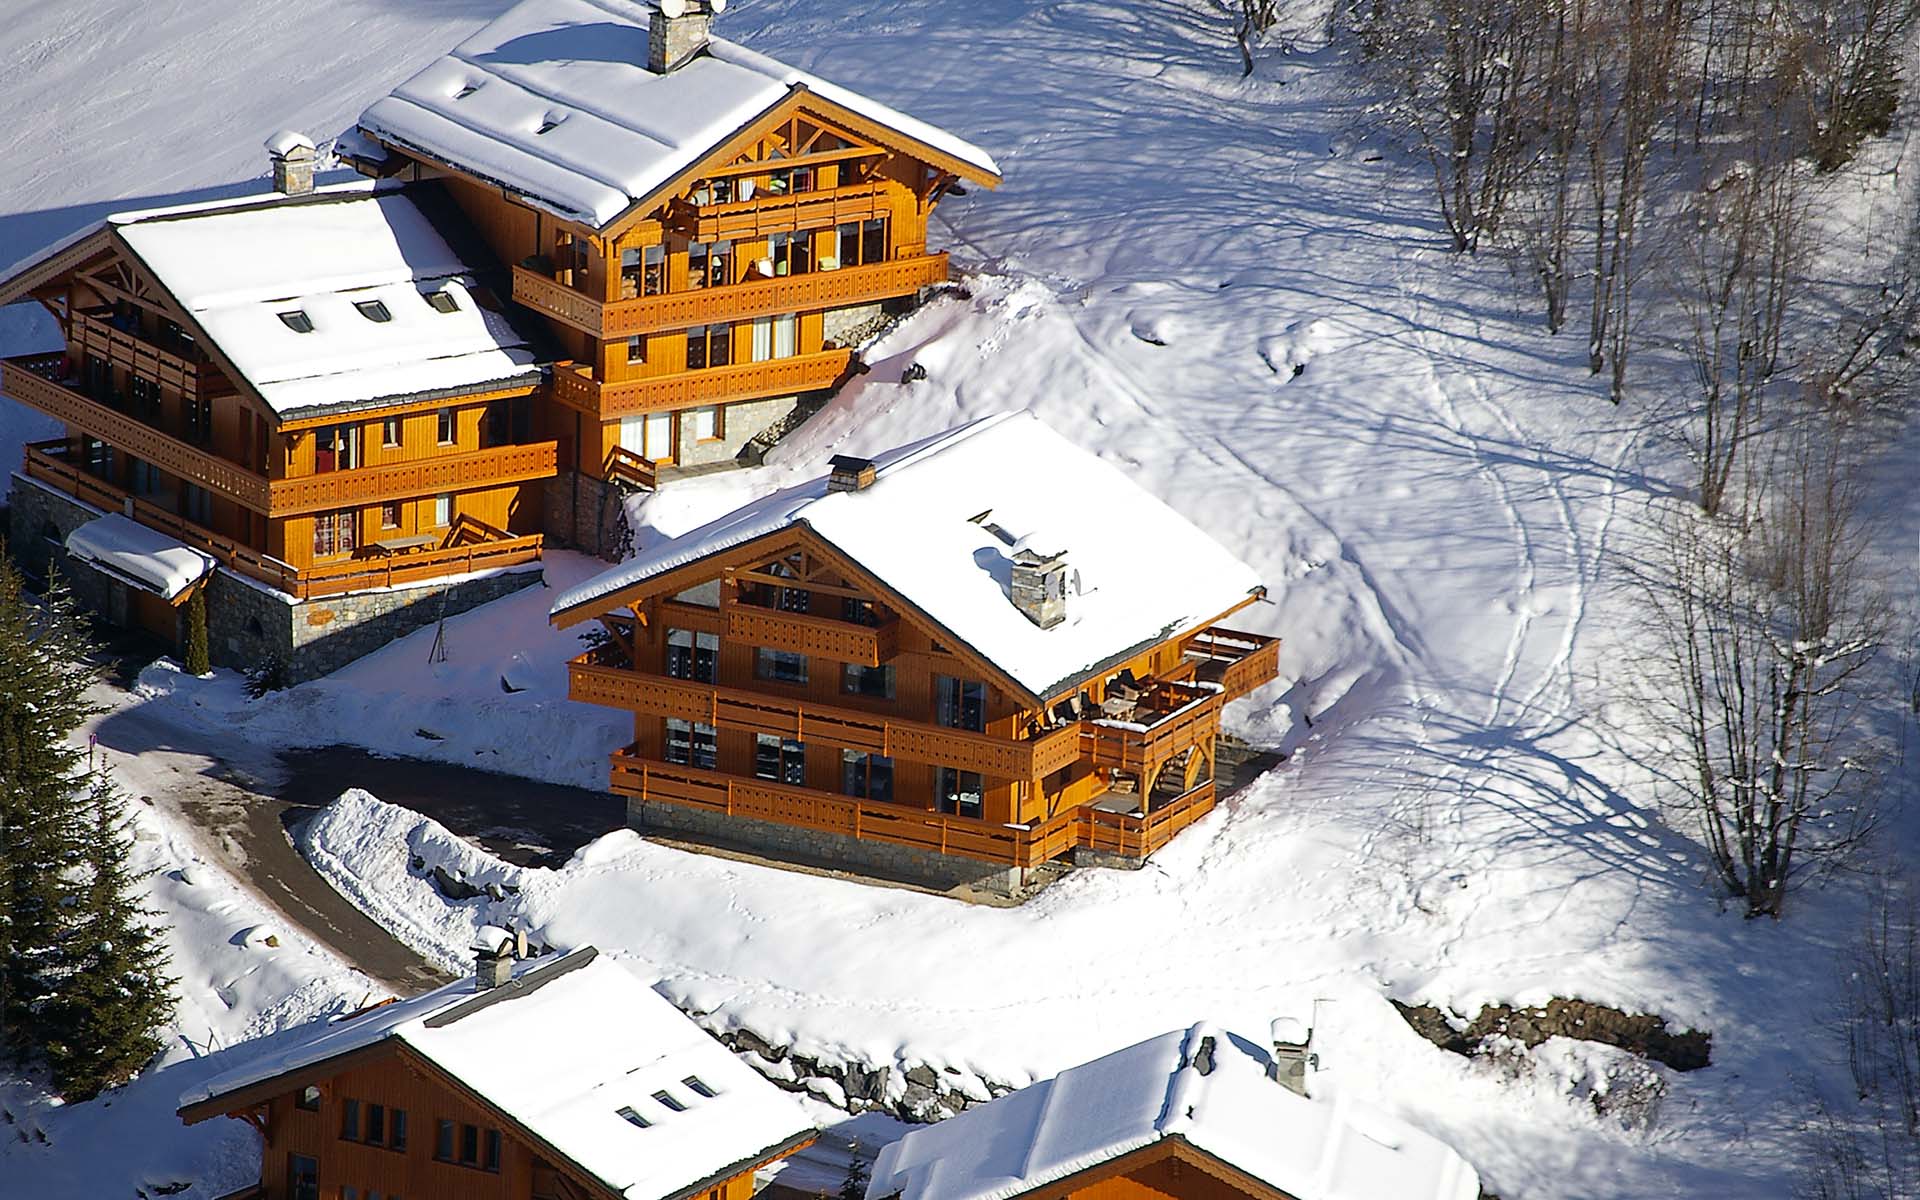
[(113, 992), (44, 679), (853, 1186), (198, 660)]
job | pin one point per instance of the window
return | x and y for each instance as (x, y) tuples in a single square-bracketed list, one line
[(874, 683), (196, 504), (868, 776), (633, 1118), (333, 532), (99, 458), (143, 478), (708, 424), (709, 346), (694, 656), (297, 320), (349, 1192), (782, 760), (308, 1100), (698, 1086), (199, 411), (780, 666), (448, 432), (856, 611), (960, 703), (390, 515), (336, 448), (861, 242), (637, 348), (443, 301), (443, 1141), (443, 509), (791, 253), (958, 792), (376, 1125), (791, 179), (643, 272), (713, 191), (374, 310), (548, 125), (397, 1129), (776, 337), (649, 436), (469, 1144), (350, 1120), (709, 264), (692, 744), (390, 432), (490, 1159), (669, 1101), (146, 397), (303, 1178)]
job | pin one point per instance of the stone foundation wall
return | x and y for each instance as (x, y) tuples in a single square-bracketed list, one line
[(743, 422), (583, 513), (777, 840), (838, 322)]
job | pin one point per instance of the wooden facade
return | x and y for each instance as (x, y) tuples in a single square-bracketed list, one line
[(720, 290), (1169, 1168), (780, 681)]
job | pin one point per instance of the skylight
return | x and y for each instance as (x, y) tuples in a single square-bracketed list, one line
[(669, 1101), (466, 89), (373, 310), (297, 320), (551, 123), (443, 301), (633, 1118), (698, 1086)]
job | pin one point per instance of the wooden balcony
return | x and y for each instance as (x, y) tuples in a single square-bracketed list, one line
[(1176, 716), (765, 214), (592, 682), (810, 292), (44, 464), (34, 381), (1133, 835), (574, 387), (804, 633), (1238, 662), (94, 335), (422, 477)]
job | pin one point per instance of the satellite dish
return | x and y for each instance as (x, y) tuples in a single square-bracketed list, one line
[(673, 8)]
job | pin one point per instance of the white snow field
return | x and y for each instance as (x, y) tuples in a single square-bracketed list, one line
[(1226, 289)]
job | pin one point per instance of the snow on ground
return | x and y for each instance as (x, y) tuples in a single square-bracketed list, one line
[(1221, 287)]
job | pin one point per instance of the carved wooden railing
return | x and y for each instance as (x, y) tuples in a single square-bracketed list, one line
[(575, 388), (1186, 716), (737, 708), (733, 302), (44, 464), (765, 213), (804, 633), (1238, 662), (32, 381), (421, 477), (634, 470), (98, 337)]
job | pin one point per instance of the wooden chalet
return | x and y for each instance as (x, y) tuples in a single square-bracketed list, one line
[(704, 230), (961, 660), (562, 1079), (1196, 1114)]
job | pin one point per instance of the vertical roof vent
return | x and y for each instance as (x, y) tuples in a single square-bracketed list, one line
[(678, 31), (849, 474), (292, 155)]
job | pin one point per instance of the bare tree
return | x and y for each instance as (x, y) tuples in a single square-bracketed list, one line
[(1547, 210), (1766, 621), (1848, 54), (1739, 270), (1256, 17)]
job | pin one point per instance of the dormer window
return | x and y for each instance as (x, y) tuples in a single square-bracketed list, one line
[(374, 310), (443, 301), (297, 320)]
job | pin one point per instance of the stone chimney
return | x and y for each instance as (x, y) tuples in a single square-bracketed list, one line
[(494, 951), (292, 155), (1293, 1058), (678, 31), (1040, 586), (848, 474)]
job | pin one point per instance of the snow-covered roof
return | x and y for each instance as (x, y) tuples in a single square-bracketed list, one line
[(244, 271), (1308, 1148), (566, 1049), (554, 101), (143, 557), (919, 528)]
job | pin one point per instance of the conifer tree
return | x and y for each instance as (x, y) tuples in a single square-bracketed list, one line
[(198, 660), (113, 992)]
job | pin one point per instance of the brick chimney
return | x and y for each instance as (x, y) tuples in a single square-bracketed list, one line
[(292, 155), (1040, 586), (678, 31)]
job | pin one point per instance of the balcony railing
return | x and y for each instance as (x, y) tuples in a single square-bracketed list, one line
[(1173, 716), (1133, 835), (1238, 662), (764, 214), (94, 335), (804, 633), (574, 387), (733, 302), (422, 477), (592, 682), (44, 464), (36, 382)]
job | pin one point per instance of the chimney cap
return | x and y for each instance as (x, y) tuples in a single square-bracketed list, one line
[(1290, 1031), (290, 143), (850, 474), (494, 941)]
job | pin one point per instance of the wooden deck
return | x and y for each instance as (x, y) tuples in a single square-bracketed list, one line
[(94, 334), (577, 389), (1238, 662), (751, 220)]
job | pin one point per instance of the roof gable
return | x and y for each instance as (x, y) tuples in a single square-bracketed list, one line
[(553, 102)]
